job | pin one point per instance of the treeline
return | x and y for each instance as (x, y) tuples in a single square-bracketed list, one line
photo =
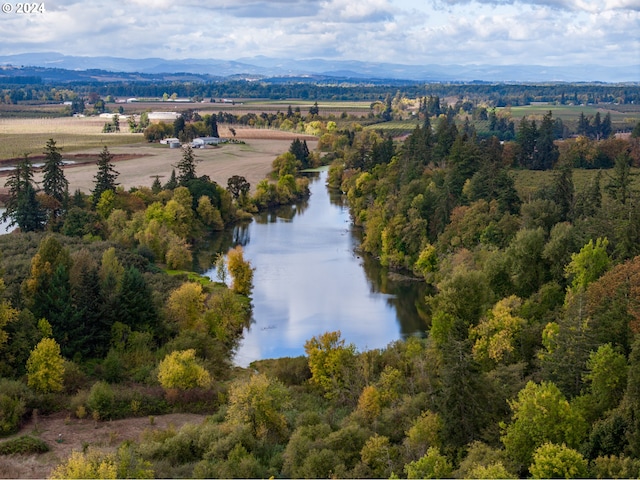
[(496, 94)]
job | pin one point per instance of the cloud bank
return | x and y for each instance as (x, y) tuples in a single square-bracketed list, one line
[(503, 32)]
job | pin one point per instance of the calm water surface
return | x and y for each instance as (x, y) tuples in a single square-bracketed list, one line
[(309, 279)]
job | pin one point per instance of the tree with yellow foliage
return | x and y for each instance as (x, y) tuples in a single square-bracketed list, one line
[(240, 270), (181, 369), (125, 463), (45, 367), (186, 305)]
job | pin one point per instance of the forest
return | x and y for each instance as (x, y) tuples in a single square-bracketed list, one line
[(497, 94), (529, 366)]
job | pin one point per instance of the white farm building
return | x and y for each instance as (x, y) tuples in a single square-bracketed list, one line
[(201, 142), (162, 116)]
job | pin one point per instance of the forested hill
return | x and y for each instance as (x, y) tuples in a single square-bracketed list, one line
[(39, 84)]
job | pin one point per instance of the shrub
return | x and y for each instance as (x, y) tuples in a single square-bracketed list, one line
[(181, 369), (101, 399), (11, 411), (23, 445), (74, 378), (113, 367)]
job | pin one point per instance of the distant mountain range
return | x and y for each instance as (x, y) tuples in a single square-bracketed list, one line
[(145, 69)]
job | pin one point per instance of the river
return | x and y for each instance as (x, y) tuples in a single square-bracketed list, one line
[(4, 226), (309, 279)]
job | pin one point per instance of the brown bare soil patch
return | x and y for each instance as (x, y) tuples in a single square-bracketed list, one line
[(77, 434)]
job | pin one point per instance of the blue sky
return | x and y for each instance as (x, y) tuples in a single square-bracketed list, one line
[(501, 32)]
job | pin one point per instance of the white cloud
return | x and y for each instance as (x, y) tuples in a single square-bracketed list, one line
[(546, 32)]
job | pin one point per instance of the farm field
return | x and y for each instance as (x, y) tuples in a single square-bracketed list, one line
[(29, 135), (141, 161), (244, 106), (395, 128), (251, 160), (623, 117)]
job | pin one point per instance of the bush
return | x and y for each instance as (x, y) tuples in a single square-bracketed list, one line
[(101, 399), (23, 445), (11, 411), (289, 370), (74, 378), (113, 367)]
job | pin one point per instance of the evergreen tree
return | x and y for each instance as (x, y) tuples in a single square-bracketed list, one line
[(526, 139), (563, 192), (590, 200), (605, 128), (212, 125), (178, 126), (172, 184), (620, 185), (156, 186), (54, 183), (186, 167), (546, 152), (301, 151), (57, 307), (136, 302), (94, 330), (106, 177), (584, 127), (22, 206)]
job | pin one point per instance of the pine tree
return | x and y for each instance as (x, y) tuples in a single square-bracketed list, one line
[(106, 177), (172, 184), (546, 152), (186, 167), (54, 183), (22, 206), (136, 302), (156, 186), (526, 139), (563, 192), (212, 123)]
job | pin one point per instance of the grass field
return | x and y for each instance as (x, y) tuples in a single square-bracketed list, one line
[(29, 135), (528, 182), (395, 128), (621, 118)]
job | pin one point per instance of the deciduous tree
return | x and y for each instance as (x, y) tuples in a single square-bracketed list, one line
[(45, 367), (181, 369), (240, 270), (558, 461), (540, 414), (329, 362)]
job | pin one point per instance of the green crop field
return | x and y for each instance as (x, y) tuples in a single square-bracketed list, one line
[(395, 128)]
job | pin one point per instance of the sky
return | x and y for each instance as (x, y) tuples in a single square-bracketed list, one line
[(464, 32)]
